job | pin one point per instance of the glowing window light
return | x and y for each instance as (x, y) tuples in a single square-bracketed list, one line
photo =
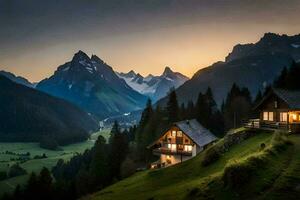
[(188, 148)]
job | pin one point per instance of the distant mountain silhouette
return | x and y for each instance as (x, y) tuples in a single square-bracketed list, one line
[(155, 87), (17, 79), (250, 65), (92, 85), (29, 115)]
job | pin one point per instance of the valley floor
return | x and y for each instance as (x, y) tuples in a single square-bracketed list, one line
[(279, 179), (10, 153)]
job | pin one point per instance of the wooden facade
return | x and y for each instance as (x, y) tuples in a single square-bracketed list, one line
[(277, 112), (180, 143)]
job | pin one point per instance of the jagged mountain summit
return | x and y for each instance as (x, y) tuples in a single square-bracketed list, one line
[(152, 86), (92, 84), (17, 79), (250, 65)]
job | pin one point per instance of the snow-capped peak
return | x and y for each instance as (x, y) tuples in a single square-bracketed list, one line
[(154, 86)]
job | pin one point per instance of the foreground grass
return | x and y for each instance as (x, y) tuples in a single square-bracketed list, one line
[(178, 181), (35, 165)]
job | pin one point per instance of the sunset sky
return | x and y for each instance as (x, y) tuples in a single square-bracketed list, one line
[(144, 35)]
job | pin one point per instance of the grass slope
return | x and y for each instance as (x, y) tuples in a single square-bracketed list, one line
[(178, 181), (35, 165)]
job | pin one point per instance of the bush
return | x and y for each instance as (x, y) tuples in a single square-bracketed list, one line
[(237, 174), (262, 146), (3, 176), (40, 157), (211, 155), (280, 142), (16, 170)]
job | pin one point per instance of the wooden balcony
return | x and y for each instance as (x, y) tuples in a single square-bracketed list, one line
[(259, 124), (167, 151)]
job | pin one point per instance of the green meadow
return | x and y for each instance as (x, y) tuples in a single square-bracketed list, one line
[(190, 180), (35, 165)]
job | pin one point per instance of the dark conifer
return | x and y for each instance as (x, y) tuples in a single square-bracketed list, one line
[(172, 107)]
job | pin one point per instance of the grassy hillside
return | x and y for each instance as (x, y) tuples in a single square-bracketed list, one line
[(35, 165), (190, 180)]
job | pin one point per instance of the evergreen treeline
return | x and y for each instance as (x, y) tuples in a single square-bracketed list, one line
[(236, 108), (289, 78), (28, 115), (83, 174)]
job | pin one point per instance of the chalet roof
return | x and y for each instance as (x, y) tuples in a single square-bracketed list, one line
[(193, 129), (290, 97)]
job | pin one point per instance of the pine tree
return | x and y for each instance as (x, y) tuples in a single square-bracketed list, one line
[(208, 114), (172, 107), (118, 151), (45, 185), (99, 165), (258, 97), (237, 107), (280, 82), (114, 130), (31, 186)]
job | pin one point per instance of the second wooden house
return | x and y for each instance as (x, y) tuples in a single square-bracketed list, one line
[(182, 141)]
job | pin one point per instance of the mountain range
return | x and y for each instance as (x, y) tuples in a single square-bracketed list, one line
[(28, 115), (91, 84), (250, 65), (152, 86), (17, 79)]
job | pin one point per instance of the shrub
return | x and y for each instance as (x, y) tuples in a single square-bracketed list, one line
[(40, 157), (194, 191), (3, 176), (237, 174), (211, 155), (280, 142), (262, 146), (16, 170)]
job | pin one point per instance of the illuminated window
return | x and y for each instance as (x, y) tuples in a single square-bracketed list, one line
[(283, 116), (265, 116), (173, 133), (188, 147), (271, 116), (179, 133), (169, 146), (268, 116), (173, 147)]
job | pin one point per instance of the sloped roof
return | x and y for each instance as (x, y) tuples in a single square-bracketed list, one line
[(193, 129), (290, 97)]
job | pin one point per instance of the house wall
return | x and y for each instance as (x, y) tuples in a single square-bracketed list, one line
[(168, 138), (275, 105), (167, 160)]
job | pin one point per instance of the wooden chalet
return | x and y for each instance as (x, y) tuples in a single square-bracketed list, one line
[(279, 109), (182, 141)]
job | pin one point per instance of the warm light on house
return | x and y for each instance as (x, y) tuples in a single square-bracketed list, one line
[(182, 141), (279, 109), (188, 147)]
